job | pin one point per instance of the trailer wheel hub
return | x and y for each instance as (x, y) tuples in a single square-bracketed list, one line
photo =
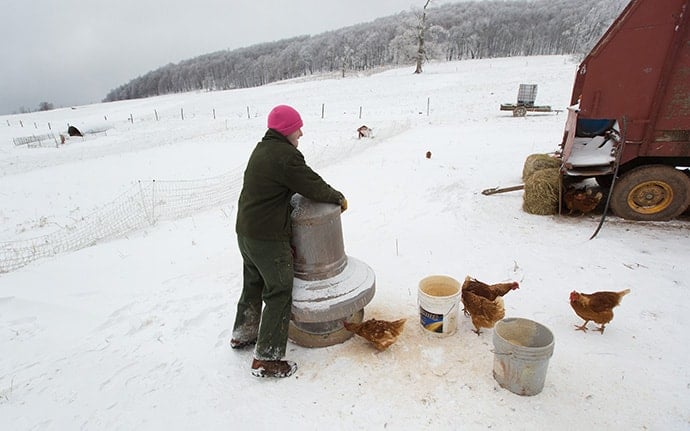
[(650, 197)]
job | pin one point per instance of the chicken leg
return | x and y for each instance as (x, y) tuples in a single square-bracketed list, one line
[(583, 328)]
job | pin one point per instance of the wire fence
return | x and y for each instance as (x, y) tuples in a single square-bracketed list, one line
[(148, 202), (144, 204), (33, 141)]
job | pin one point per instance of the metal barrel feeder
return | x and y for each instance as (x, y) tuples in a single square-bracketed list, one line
[(329, 286)]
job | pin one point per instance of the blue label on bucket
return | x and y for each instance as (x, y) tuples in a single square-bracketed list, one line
[(431, 321)]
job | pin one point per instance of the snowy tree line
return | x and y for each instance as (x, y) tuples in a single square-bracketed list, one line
[(466, 30)]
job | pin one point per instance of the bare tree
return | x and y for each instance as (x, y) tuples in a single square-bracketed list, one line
[(421, 32), (45, 106)]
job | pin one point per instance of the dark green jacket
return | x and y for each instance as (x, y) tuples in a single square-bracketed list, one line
[(276, 170)]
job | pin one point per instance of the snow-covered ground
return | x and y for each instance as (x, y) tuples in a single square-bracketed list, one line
[(132, 332)]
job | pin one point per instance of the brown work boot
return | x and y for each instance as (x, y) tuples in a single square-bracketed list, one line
[(273, 368)]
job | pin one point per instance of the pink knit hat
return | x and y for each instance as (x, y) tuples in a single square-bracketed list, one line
[(284, 119)]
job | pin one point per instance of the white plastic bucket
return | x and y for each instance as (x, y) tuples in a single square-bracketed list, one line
[(439, 296), (522, 349)]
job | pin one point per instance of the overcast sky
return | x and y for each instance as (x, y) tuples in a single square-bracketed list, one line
[(73, 52)]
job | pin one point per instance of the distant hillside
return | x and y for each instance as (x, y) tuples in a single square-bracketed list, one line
[(456, 31)]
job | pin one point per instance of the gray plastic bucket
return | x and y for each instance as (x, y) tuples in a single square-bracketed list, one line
[(522, 349)]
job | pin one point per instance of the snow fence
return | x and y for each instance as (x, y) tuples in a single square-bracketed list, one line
[(144, 204)]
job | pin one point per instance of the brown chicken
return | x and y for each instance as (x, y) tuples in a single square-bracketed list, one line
[(484, 302), (581, 200), (597, 307), (381, 333)]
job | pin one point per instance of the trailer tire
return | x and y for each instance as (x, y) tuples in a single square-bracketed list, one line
[(520, 111), (651, 193)]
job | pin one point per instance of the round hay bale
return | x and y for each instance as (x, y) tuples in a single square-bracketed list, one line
[(537, 162), (541, 192)]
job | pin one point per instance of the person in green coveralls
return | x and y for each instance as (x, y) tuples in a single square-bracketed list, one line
[(276, 170)]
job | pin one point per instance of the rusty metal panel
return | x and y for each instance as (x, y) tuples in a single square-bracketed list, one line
[(640, 69), (675, 104)]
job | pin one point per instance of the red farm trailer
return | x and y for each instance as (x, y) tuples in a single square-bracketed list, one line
[(628, 125)]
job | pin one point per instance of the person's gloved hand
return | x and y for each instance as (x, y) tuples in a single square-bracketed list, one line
[(343, 205)]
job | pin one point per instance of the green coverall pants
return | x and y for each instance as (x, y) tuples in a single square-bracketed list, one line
[(268, 278)]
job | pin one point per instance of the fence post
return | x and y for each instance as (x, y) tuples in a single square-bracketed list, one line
[(323, 110), (214, 113), (153, 202), (156, 114), (182, 113), (131, 119), (249, 117), (428, 102), (20, 123), (149, 214), (360, 112)]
